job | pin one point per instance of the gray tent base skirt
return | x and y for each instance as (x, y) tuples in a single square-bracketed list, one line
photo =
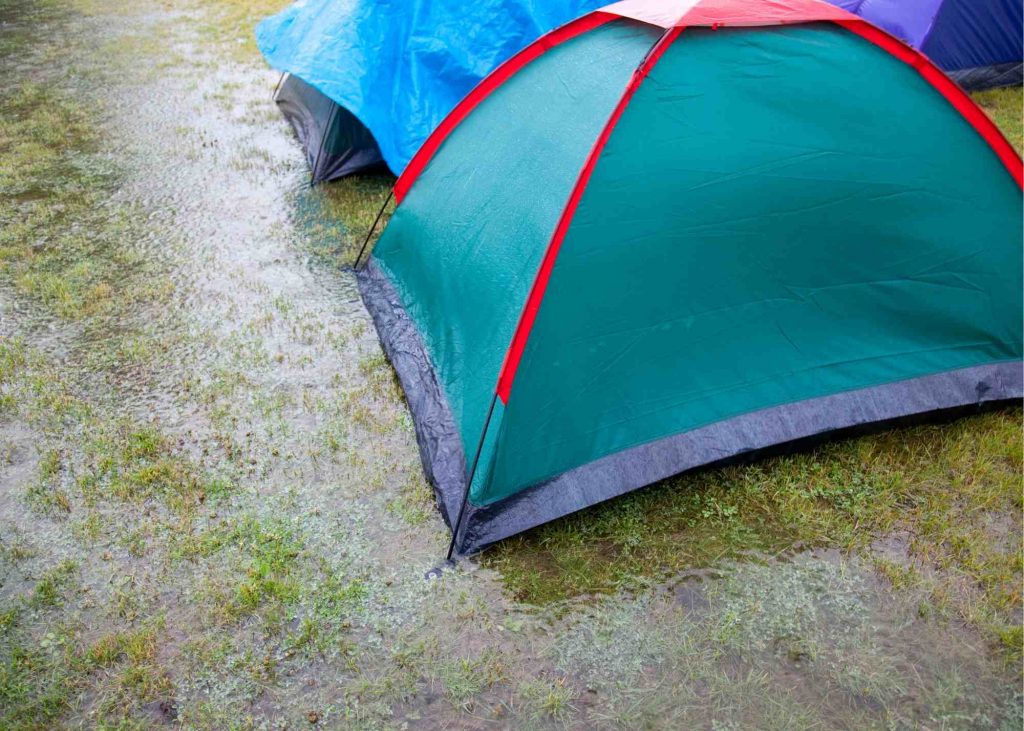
[(336, 143), (780, 428)]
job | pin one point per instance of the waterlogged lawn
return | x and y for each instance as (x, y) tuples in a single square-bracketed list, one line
[(212, 512), (938, 501)]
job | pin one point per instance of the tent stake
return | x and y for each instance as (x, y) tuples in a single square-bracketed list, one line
[(369, 234), (469, 482), (438, 571)]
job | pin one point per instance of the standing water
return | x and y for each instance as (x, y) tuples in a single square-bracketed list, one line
[(212, 511)]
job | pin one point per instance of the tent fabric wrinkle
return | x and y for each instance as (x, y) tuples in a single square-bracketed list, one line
[(335, 142), (968, 33), (949, 89), (441, 452)]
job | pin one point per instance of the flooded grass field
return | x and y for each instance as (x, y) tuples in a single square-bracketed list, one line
[(212, 511)]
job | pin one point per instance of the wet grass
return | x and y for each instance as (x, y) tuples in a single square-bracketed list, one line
[(136, 463), (48, 180), (214, 515), (265, 566), (338, 216), (952, 490), (128, 486), (46, 661), (41, 679), (233, 22), (1007, 110), (810, 625)]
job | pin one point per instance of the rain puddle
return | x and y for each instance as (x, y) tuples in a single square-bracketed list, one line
[(212, 511)]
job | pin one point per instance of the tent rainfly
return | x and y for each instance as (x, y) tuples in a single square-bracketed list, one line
[(672, 233), (979, 43)]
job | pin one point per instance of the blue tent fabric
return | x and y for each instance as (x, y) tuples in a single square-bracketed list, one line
[(958, 35), (974, 33), (400, 67)]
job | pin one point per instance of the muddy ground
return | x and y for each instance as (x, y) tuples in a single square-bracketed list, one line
[(212, 512)]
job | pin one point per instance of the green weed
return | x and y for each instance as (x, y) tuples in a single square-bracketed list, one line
[(50, 589)]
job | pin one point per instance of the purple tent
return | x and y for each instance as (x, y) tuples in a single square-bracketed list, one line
[(977, 42)]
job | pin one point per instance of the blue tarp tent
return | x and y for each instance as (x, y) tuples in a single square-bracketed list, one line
[(977, 42), (390, 72)]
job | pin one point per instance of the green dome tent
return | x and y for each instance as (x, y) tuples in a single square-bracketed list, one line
[(670, 233)]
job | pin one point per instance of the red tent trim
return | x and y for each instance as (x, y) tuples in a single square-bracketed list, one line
[(674, 15), (943, 84), (486, 87), (956, 96), (529, 314)]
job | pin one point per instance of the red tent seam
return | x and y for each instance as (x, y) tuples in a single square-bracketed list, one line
[(956, 96), (486, 87), (943, 84), (529, 314)]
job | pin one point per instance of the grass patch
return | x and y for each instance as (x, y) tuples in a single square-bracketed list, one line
[(1006, 107), (953, 488), (414, 503), (267, 552), (132, 462), (35, 690), (114, 459), (463, 679), (47, 495), (134, 672), (51, 588), (335, 218), (233, 22), (59, 244), (36, 391), (332, 602), (547, 700), (41, 678)]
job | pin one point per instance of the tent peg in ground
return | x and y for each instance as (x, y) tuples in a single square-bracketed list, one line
[(438, 571)]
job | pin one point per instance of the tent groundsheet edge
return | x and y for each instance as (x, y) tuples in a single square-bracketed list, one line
[(784, 428), (441, 453), (444, 462)]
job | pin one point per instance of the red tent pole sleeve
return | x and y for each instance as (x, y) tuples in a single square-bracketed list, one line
[(486, 87), (948, 88), (529, 314)]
